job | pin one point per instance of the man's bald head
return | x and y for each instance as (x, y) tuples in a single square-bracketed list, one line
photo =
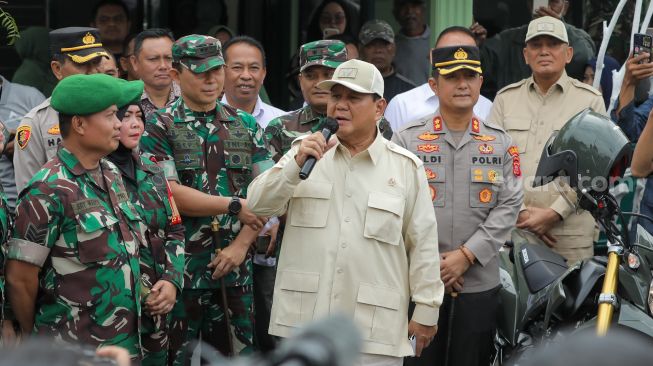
[(454, 36)]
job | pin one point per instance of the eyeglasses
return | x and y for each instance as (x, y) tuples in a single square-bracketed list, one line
[(332, 19)]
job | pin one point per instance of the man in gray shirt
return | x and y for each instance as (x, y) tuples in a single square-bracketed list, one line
[(15, 101), (412, 40)]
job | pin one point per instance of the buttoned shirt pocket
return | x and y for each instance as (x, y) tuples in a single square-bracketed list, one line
[(436, 176), (383, 218), (310, 204), (377, 313), (485, 185), (519, 129), (187, 147), (93, 230), (296, 298)]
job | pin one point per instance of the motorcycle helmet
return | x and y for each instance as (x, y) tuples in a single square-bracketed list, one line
[(590, 152)]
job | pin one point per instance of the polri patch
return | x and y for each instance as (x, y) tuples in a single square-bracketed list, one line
[(485, 195), (23, 135)]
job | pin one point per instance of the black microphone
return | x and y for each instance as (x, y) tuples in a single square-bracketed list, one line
[(330, 127)]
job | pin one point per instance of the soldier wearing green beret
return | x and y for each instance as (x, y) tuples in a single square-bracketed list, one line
[(209, 152), (77, 233), (162, 255)]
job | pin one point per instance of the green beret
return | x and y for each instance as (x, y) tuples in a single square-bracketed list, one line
[(131, 92), (80, 95)]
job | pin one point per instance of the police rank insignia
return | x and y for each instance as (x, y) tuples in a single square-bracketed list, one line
[(516, 165), (486, 149), (460, 54), (54, 130), (88, 38), (476, 126), (492, 175), (428, 136), (478, 175), (22, 136), (428, 148), (437, 123), (434, 193), (484, 138), (485, 195), (430, 174)]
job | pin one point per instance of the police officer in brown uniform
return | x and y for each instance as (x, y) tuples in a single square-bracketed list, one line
[(475, 183)]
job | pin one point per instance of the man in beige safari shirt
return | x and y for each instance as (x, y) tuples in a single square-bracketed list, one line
[(530, 111), (361, 235)]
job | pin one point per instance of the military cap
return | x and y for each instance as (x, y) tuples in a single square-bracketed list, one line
[(81, 94), (81, 44), (547, 26), (376, 29), (198, 53), (329, 53), (449, 59), (131, 92), (357, 75)]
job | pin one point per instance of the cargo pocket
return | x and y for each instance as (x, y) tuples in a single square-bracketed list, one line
[(383, 217), (310, 204), (93, 230), (377, 313), (295, 301), (436, 176), (519, 129)]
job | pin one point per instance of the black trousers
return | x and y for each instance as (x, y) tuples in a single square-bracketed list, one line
[(264, 278), (472, 331)]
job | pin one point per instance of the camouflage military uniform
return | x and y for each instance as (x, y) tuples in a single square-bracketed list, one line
[(214, 154), (282, 131), (85, 238), (598, 11), (162, 255)]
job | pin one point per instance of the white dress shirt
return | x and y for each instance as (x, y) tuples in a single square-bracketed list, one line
[(421, 101), (263, 112)]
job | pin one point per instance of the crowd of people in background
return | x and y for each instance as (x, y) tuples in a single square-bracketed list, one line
[(150, 190)]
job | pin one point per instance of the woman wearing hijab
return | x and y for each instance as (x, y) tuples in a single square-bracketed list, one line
[(162, 257)]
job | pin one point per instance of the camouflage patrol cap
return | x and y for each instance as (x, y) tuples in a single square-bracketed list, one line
[(329, 53), (198, 53), (376, 29)]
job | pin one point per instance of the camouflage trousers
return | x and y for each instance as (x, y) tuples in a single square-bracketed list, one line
[(154, 339), (198, 312)]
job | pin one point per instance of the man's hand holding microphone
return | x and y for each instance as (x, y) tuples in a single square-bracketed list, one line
[(314, 146)]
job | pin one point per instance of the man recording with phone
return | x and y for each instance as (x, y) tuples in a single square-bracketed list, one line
[(632, 117), (361, 235)]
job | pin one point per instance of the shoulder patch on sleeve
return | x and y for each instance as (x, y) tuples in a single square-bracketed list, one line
[(512, 86), (401, 151), (585, 86)]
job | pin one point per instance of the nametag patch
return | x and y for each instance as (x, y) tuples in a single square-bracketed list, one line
[(86, 205), (348, 73)]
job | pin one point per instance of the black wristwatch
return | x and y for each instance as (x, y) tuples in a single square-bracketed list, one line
[(235, 206)]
